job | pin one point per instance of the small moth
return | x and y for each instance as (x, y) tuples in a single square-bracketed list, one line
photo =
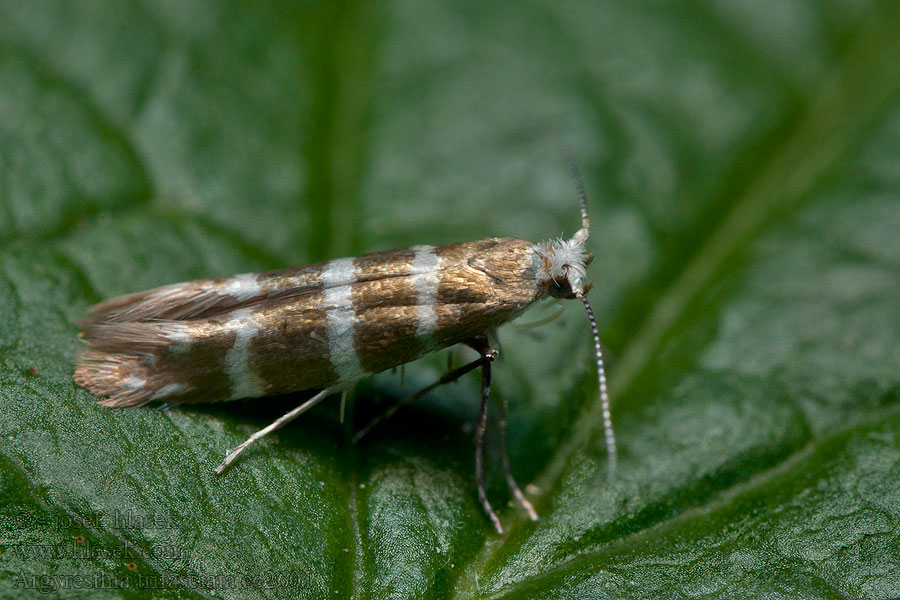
[(326, 326)]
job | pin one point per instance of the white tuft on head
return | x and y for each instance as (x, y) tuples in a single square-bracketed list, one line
[(563, 262)]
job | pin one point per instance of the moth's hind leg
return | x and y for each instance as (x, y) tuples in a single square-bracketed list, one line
[(507, 468), (480, 428), (283, 420), (489, 354)]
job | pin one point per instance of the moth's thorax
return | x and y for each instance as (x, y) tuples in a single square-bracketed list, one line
[(310, 327)]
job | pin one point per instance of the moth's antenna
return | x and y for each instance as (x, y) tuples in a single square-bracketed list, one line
[(608, 434), (566, 259), (579, 185)]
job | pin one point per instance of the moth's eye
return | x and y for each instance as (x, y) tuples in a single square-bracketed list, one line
[(560, 288)]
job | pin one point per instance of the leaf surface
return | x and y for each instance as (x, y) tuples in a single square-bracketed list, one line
[(741, 161)]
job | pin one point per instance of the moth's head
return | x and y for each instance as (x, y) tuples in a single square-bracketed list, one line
[(562, 266)]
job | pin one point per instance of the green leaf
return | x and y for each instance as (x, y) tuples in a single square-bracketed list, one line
[(741, 161)]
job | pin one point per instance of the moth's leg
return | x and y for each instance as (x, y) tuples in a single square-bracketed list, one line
[(343, 404), (507, 469), (445, 378), (479, 442), (488, 353), (287, 418)]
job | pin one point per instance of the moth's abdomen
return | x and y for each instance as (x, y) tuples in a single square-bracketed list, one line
[(351, 317)]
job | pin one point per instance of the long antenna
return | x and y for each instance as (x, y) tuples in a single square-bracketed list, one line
[(579, 185), (608, 434)]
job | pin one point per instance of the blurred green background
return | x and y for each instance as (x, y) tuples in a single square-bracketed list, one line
[(742, 163)]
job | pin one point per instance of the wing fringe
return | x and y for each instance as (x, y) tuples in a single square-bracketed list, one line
[(171, 303), (121, 380), (118, 364), (205, 298)]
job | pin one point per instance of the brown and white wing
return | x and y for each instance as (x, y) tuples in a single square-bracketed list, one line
[(355, 316)]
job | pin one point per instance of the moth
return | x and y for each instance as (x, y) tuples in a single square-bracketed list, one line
[(325, 326)]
